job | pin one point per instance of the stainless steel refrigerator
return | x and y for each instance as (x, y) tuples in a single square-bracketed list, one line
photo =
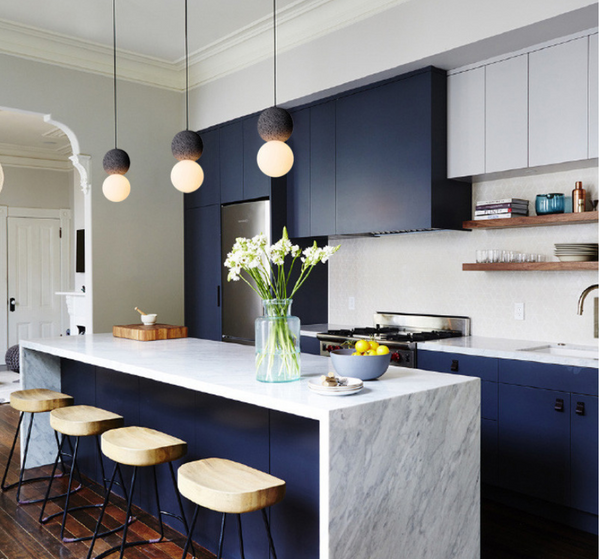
[(240, 305)]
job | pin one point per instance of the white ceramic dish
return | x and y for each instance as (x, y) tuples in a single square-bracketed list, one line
[(577, 257), (353, 385), (148, 319)]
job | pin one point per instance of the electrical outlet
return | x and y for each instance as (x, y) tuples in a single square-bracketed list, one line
[(351, 303), (519, 311)]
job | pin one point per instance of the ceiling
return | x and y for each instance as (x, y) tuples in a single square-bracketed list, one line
[(152, 28)]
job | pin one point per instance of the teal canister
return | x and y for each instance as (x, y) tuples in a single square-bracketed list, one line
[(553, 203)]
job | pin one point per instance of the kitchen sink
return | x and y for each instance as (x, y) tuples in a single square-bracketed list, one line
[(566, 350)]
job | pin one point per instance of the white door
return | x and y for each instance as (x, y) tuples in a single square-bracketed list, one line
[(33, 278)]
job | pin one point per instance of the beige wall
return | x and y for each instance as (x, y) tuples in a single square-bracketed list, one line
[(36, 188), (137, 244)]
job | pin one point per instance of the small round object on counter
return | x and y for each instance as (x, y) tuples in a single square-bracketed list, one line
[(148, 319), (364, 368)]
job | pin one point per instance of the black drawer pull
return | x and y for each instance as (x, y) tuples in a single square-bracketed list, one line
[(559, 405), (580, 409), (454, 366)]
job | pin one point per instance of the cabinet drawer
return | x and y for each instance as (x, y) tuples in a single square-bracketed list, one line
[(582, 380), (469, 365)]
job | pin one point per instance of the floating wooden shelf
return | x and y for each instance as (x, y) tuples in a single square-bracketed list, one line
[(530, 267), (533, 221)]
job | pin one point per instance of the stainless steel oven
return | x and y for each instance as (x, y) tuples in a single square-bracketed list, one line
[(401, 332)]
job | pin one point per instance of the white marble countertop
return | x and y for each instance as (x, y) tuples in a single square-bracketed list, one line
[(227, 370), (508, 349)]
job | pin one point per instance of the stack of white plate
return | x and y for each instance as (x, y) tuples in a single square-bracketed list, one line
[(576, 252), (352, 386)]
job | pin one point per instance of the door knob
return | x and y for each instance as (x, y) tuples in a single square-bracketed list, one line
[(12, 304)]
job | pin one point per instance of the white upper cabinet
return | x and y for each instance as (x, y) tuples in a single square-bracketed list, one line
[(593, 97), (558, 103), (466, 123), (536, 107), (506, 115)]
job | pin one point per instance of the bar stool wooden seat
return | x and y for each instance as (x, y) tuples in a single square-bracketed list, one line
[(78, 421), (138, 447), (32, 401), (228, 487)]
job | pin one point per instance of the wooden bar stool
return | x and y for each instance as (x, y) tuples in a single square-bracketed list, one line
[(228, 487), (32, 401), (78, 421), (139, 446)]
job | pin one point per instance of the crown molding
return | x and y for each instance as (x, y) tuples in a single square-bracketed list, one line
[(12, 155), (298, 23)]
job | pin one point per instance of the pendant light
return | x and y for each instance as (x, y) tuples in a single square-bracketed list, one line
[(1, 177), (116, 162), (275, 158), (187, 175)]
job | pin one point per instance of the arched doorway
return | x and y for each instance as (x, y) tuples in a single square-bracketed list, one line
[(34, 150)]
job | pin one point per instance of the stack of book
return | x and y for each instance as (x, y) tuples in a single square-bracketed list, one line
[(500, 209)]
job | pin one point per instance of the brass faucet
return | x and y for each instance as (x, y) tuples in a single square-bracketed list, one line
[(582, 297)]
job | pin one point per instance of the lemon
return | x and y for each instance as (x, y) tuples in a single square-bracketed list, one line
[(383, 350), (373, 344), (361, 346)]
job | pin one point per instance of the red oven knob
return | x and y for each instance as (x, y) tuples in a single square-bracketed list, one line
[(331, 348), (396, 357)]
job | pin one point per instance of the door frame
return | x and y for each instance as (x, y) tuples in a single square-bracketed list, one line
[(65, 216)]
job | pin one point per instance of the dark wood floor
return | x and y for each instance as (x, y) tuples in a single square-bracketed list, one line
[(506, 533)]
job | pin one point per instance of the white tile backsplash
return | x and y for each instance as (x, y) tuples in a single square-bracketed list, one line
[(422, 272)]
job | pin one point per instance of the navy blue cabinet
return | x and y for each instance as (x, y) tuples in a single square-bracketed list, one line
[(256, 183), (210, 191), (584, 452), (391, 160), (322, 169), (202, 257), (533, 442), (298, 179), (231, 161)]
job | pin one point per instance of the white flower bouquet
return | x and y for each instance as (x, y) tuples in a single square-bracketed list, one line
[(263, 268)]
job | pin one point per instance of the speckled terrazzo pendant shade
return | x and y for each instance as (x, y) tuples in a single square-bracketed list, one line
[(187, 147), (275, 125), (116, 162)]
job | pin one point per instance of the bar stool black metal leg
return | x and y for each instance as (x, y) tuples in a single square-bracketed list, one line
[(272, 547), (222, 536), (128, 513), (22, 472), (47, 497), (180, 503), (239, 519), (160, 512), (190, 533), (10, 455), (104, 505), (99, 449), (66, 506)]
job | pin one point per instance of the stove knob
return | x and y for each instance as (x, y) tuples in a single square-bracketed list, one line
[(396, 357)]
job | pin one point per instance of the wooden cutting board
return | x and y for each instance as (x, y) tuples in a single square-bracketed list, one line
[(150, 333)]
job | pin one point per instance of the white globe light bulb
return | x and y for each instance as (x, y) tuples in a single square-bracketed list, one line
[(187, 176), (275, 158), (116, 188), (1, 177)]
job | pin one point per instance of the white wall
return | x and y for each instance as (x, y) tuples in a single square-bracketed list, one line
[(422, 272), (36, 188), (446, 33), (138, 243)]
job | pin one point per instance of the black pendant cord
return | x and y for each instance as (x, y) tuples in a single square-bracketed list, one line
[(115, 66), (274, 53), (187, 124)]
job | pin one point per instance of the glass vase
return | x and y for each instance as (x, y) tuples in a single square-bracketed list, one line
[(277, 345)]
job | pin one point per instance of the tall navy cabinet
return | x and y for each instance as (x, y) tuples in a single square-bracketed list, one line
[(202, 253)]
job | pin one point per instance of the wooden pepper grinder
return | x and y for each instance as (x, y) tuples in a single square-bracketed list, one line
[(578, 198)]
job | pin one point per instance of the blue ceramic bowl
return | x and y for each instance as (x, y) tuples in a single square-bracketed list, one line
[(364, 367), (550, 203)]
